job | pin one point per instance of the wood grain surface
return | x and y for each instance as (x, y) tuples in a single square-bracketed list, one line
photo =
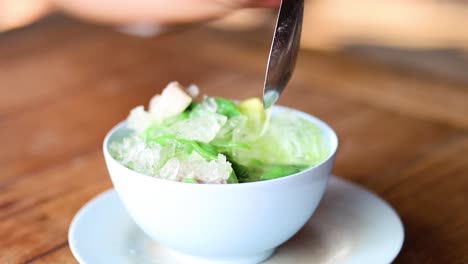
[(64, 84)]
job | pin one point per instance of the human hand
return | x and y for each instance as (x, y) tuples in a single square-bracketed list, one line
[(156, 11)]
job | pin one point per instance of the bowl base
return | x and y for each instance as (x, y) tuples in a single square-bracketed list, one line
[(249, 259)]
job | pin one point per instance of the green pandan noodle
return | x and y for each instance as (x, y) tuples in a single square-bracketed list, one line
[(218, 136)]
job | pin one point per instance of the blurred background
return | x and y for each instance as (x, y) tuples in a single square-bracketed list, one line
[(430, 35)]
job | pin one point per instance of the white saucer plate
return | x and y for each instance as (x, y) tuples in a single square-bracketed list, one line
[(351, 226)]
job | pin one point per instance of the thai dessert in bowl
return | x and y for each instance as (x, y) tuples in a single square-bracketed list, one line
[(219, 181), (216, 140)]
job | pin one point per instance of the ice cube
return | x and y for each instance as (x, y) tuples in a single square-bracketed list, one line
[(134, 153), (170, 170), (206, 107), (203, 128), (232, 128), (214, 171), (139, 119)]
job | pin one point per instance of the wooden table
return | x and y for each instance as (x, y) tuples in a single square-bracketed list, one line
[(64, 84)]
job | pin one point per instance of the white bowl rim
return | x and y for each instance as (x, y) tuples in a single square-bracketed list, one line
[(315, 120)]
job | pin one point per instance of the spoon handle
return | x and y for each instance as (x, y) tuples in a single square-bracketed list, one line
[(283, 51)]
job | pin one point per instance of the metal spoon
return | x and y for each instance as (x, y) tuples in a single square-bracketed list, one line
[(284, 49)]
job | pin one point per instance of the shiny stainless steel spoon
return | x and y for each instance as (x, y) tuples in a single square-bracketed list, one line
[(284, 49)]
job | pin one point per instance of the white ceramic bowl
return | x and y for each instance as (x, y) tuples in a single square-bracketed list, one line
[(227, 223)]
